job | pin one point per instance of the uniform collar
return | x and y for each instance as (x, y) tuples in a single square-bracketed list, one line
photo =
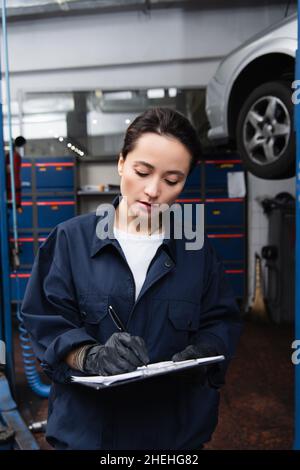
[(104, 224)]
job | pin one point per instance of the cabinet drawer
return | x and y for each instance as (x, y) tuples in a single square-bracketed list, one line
[(54, 174), (224, 211), (52, 212), (228, 246)]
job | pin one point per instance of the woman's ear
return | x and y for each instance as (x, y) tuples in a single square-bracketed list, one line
[(120, 164)]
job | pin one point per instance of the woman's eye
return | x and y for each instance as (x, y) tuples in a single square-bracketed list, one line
[(170, 183)]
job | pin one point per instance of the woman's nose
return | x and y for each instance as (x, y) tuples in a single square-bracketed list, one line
[(152, 189)]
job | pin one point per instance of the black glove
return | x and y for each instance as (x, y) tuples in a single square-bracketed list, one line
[(194, 351), (212, 373), (121, 353)]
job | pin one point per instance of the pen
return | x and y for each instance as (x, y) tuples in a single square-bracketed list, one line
[(117, 321)]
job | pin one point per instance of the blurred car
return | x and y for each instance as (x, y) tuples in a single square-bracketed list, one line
[(248, 101)]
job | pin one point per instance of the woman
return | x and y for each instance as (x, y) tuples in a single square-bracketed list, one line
[(173, 303)]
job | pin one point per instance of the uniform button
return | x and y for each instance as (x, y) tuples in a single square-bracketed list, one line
[(168, 264), (83, 314)]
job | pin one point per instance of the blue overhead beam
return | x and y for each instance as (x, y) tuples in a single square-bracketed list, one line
[(297, 280)]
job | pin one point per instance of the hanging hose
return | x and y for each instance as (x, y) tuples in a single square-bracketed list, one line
[(29, 359), (29, 362)]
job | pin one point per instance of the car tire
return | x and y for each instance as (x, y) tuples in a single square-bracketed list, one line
[(265, 131)]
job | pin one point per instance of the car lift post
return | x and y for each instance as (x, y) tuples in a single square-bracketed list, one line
[(297, 251)]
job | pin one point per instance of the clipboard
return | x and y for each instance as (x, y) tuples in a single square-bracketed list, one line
[(99, 382)]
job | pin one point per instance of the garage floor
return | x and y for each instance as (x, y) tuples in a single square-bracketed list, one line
[(257, 410)]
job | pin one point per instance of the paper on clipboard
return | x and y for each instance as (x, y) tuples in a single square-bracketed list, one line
[(143, 372)]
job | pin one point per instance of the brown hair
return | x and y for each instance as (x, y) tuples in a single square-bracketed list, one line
[(164, 121)]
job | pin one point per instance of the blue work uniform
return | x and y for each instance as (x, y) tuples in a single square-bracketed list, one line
[(184, 300)]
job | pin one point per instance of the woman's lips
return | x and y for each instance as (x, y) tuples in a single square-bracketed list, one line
[(147, 205)]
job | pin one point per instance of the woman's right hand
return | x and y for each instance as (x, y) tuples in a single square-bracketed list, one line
[(121, 353)]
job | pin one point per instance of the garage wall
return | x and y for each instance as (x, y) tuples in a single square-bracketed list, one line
[(259, 189), (167, 47)]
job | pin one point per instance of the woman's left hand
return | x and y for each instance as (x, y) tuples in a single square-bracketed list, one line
[(195, 351)]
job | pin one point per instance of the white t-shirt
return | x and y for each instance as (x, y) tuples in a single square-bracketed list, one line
[(139, 250)]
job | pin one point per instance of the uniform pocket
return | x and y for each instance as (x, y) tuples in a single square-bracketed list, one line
[(94, 308), (178, 323), (184, 315), (95, 317)]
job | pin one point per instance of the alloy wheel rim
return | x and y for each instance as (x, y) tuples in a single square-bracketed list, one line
[(266, 130)]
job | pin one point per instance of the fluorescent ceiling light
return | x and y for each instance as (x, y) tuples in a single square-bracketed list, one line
[(117, 95), (156, 93), (172, 92)]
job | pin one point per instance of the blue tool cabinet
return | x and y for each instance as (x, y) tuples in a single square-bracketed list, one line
[(225, 220), (48, 198), (225, 217), (18, 284)]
